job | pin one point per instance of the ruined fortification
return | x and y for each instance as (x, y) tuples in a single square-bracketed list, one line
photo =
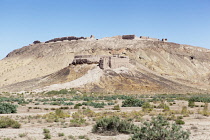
[(72, 38), (103, 61)]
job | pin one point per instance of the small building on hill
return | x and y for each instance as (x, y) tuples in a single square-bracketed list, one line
[(164, 39), (113, 62), (104, 62), (128, 37)]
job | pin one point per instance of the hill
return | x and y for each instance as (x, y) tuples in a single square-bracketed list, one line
[(155, 67)]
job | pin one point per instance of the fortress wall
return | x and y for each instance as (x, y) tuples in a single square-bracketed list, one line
[(117, 62), (128, 37), (144, 37), (154, 39), (105, 62)]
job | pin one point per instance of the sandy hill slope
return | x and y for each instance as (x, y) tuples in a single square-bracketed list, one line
[(155, 66)]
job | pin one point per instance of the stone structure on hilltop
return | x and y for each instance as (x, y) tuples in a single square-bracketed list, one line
[(142, 38), (92, 36), (113, 62), (164, 39), (86, 59), (128, 37), (36, 42), (65, 38), (104, 61)]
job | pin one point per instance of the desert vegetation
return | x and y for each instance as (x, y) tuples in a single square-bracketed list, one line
[(56, 113)]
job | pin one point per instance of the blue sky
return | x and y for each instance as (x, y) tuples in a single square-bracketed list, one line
[(181, 21)]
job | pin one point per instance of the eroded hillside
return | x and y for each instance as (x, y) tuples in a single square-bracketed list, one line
[(158, 66)]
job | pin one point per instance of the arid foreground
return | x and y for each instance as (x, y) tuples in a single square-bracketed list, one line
[(70, 114)]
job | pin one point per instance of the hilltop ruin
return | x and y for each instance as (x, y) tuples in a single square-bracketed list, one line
[(72, 38), (103, 61)]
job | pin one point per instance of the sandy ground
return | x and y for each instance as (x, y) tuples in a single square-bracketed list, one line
[(197, 124)]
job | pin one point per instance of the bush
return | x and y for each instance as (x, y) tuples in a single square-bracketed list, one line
[(7, 108), (55, 116), (83, 137), (54, 92), (113, 125), (110, 103), (78, 120), (164, 106), (60, 134), (160, 129), (185, 111), (8, 122), (200, 98), (147, 107), (47, 136), (132, 102), (76, 106), (205, 110), (179, 121), (22, 135), (95, 105), (116, 107), (191, 103), (45, 130), (46, 133)]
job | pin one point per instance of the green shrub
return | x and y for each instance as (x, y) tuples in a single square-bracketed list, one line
[(179, 121), (78, 120), (76, 106), (22, 135), (55, 116), (179, 117), (164, 106), (205, 110), (7, 108), (191, 103), (116, 107), (46, 133), (60, 113), (185, 111), (60, 134), (110, 103), (132, 102), (200, 98), (54, 92), (45, 130), (71, 137), (83, 137), (113, 125), (47, 136), (68, 103), (8, 122), (95, 105), (147, 107), (160, 129)]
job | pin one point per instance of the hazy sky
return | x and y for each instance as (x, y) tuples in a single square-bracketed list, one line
[(181, 21)]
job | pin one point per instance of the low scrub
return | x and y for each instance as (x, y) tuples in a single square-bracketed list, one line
[(6, 122), (78, 120), (7, 108), (132, 102), (160, 129), (147, 107), (114, 125), (55, 116), (179, 121)]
